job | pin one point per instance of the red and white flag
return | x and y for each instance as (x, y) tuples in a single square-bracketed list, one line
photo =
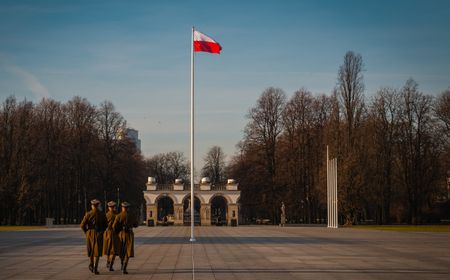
[(203, 43)]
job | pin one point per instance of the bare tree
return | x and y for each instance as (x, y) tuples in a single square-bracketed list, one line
[(214, 166), (266, 125), (385, 115), (299, 121), (350, 91), (261, 135), (417, 149), (111, 128), (82, 136), (166, 167), (442, 109)]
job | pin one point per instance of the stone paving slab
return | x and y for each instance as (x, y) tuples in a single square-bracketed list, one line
[(245, 252)]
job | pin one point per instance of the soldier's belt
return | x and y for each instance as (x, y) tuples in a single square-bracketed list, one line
[(96, 228), (127, 229)]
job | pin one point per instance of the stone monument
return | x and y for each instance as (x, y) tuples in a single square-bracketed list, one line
[(283, 215)]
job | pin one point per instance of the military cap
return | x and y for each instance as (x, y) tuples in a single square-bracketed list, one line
[(111, 204), (95, 201), (125, 204)]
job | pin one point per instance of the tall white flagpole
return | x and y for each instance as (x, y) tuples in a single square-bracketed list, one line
[(336, 215), (192, 137), (328, 191)]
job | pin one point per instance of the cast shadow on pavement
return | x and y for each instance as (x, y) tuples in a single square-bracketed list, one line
[(242, 240)]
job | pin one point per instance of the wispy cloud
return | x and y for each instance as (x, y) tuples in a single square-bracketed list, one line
[(29, 80)]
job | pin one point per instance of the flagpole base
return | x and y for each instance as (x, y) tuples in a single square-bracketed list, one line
[(192, 239)]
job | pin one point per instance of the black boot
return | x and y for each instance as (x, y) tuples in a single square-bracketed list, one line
[(111, 266), (91, 267), (124, 270), (96, 265)]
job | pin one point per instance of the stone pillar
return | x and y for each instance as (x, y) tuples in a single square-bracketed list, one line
[(205, 214), (178, 214), (152, 213), (232, 213)]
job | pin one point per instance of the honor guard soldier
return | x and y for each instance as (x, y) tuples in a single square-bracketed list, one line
[(123, 225), (93, 225), (110, 238)]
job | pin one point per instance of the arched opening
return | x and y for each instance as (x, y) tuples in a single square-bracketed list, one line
[(218, 211), (165, 211), (187, 210)]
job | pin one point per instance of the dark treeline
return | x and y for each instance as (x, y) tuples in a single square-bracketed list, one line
[(166, 167), (392, 149), (55, 157), (393, 154)]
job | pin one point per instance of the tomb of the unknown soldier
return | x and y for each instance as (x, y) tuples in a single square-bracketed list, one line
[(214, 204)]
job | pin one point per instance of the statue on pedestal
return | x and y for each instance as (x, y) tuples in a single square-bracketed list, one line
[(283, 215), (180, 213)]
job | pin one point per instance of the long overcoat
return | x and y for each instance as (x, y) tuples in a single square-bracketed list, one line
[(93, 225), (123, 225), (110, 238)]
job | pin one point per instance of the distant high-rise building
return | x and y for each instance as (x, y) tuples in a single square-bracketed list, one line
[(133, 136)]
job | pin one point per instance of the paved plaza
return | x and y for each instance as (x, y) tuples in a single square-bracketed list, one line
[(245, 252)]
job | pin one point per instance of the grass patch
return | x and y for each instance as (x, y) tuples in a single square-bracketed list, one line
[(16, 228), (407, 228)]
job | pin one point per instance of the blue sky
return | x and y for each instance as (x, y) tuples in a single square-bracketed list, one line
[(137, 55)]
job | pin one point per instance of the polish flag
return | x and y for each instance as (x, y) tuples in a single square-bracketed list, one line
[(203, 43)]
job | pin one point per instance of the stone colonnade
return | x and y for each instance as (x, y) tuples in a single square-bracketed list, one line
[(204, 192)]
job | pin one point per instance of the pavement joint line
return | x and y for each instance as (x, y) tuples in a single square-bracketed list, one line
[(178, 257), (156, 269), (151, 254), (343, 270), (193, 260), (206, 255)]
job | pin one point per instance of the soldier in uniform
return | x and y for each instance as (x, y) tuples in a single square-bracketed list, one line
[(93, 225), (111, 239), (123, 225)]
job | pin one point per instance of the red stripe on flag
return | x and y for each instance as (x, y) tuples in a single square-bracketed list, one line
[(203, 46)]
